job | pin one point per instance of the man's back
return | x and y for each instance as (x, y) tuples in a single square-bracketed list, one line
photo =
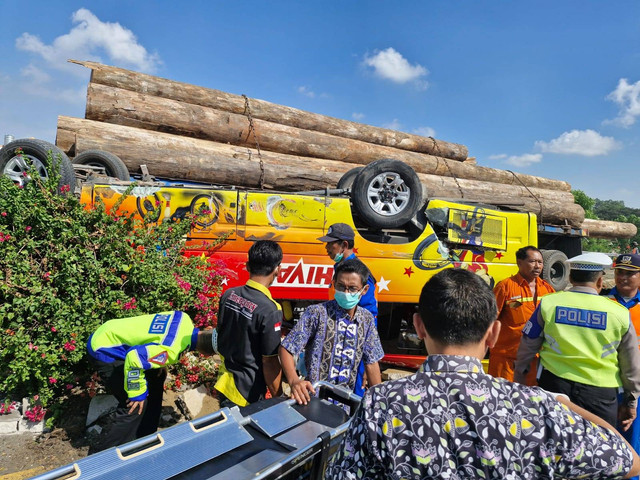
[(248, 329), (451, 420)]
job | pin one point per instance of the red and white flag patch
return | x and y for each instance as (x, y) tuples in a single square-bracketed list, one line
[(159, 359), (276, 327)]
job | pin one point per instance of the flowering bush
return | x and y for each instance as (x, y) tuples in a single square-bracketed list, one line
[(193, 370), (64, 270), (7, 407)]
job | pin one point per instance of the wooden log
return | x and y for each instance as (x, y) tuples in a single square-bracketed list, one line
[(260, 109), (609, 229), (201, 160), (123, 107)]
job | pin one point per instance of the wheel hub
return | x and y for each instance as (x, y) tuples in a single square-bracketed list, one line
[(17, 168), (388, 194)]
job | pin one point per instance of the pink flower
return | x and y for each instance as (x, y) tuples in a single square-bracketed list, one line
[(46, 275), (36, 398), (4, 214), (65, 188), (130, 305), (27, 228), (69, 386), (52, 380), (69, 347), (54, 329), (43, 355)]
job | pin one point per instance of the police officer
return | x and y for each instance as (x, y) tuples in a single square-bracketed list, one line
[(587, 343), (130, 355)]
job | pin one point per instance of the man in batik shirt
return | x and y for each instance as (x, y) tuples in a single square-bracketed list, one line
[(335, 336), (451, 420)]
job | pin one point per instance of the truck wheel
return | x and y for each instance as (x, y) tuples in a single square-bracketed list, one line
[(346, 181), (113, 166), (34, 154), (386, 193), (555, 269)]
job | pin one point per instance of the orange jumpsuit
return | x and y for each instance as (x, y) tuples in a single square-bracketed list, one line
[(516, 304)]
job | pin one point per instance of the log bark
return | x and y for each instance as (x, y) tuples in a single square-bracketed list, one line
[(608, 229), (201, 160), (123, 107), (260, 109)]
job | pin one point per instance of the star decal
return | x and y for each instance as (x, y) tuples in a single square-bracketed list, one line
[(499, 255), (408, 272), (225, 281), (383, 284), (355, 250)]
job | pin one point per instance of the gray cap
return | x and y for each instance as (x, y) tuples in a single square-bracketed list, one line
[(338, 231)]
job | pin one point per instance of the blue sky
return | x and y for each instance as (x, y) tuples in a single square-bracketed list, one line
[(550, 88)]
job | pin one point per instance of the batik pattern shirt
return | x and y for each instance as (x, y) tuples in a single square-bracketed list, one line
[(450, 420), (334, 343)]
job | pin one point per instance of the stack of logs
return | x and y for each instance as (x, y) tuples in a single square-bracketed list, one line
[(185, 131)]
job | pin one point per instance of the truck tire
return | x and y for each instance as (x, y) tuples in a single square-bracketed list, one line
[(35, 153), (113, 166), (555, 269), (346, 181), (386, 193)]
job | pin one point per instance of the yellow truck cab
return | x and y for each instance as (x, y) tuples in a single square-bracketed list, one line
[(445, 234)]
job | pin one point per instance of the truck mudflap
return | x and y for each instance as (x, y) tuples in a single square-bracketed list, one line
[(272, 439)]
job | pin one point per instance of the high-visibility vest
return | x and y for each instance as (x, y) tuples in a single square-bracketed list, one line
[(581, 337)]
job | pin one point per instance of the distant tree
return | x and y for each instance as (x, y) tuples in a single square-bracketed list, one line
[(586, 202), (610, 209)]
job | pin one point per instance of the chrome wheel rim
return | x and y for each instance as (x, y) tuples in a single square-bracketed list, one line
[(388, 194)]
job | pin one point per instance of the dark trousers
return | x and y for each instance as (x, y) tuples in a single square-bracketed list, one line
[(129, 426), (601, 401)]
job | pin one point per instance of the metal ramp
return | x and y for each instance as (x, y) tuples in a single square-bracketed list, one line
[(163, 454), (274, 439)]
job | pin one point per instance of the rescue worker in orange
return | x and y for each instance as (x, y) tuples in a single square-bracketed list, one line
[(517, 298), (626, 293)]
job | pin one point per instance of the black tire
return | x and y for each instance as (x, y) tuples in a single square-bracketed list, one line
[(34, 152), (346, 181), (386, 193), (113, 166), (555, 269)]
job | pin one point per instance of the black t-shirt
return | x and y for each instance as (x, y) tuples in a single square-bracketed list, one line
[(249, 324)]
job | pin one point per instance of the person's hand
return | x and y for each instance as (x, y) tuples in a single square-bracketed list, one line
[(626, 416), (135, 405), (300, 391)]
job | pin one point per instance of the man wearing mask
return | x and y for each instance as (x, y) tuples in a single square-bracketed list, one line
[(335, 336), (248, 330), (340, 243)]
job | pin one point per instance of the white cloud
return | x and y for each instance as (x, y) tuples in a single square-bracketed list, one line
[(306, 91), (628, 99), (499, 156), (393, 125), (87, 40), (357, 115), (424, 131), (524, 160), (391, 65), (588, 143), (34, 74)]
